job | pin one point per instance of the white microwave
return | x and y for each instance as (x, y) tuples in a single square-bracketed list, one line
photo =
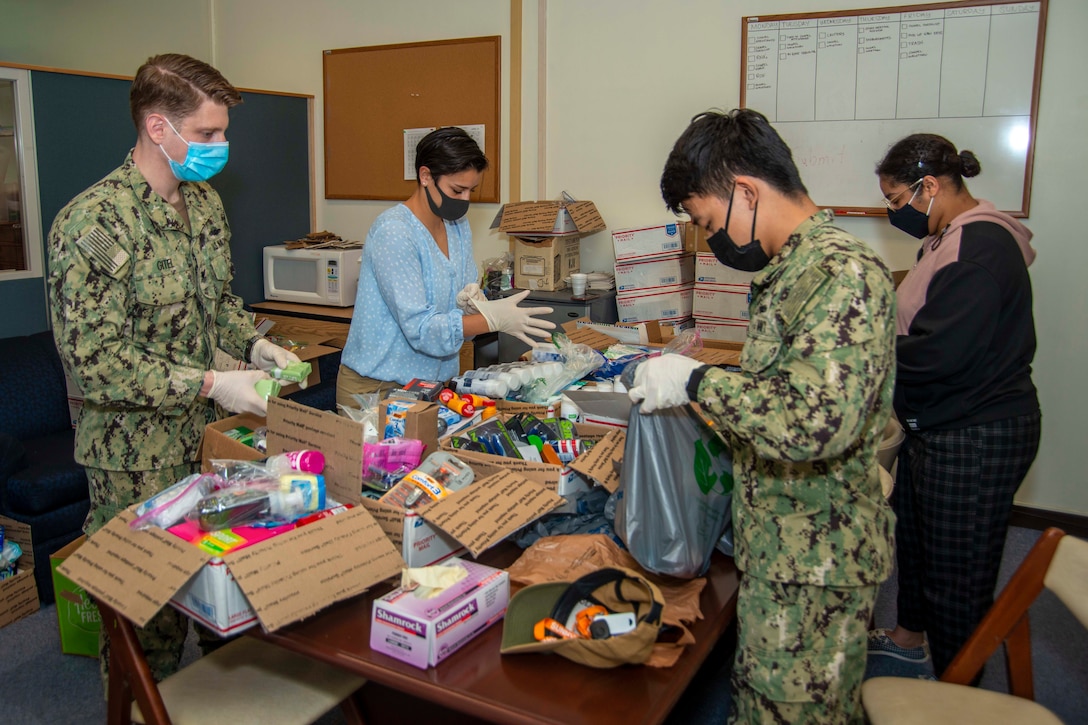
[(312, 276)]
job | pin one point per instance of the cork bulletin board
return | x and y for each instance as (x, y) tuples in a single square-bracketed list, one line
[(374, 94)]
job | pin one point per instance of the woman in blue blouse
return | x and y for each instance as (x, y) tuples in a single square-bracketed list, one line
[(419, 297)]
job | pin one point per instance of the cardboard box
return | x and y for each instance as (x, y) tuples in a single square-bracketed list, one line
[(709, 271), (715, 352), (655, 273), (419, 422), (722, 330), (498, 503), (611, 410), (283, 579), (77, 616), (695, 238), (424, 631), (548, 218), (217, 444), (308, 348), (545, 265), (670, 304), (597, 465), (663, 240), (18, 594), (724, 303)]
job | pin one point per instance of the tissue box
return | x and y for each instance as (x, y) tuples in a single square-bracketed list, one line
[(423, 632)]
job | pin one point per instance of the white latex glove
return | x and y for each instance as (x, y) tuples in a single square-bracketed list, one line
[(504, 315), (267, 355), (662, 382), (466, 298), (234, 391)]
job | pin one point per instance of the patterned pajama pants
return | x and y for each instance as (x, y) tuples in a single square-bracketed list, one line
[(953, 497)]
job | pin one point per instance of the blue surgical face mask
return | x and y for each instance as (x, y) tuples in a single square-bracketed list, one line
[(202, 160)]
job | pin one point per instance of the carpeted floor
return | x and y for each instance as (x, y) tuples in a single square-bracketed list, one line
[(44, 686)]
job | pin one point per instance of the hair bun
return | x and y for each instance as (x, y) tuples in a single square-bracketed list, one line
[(969, 164)]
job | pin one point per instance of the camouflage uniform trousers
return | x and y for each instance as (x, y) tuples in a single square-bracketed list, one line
[(163, 639), (800, 652)]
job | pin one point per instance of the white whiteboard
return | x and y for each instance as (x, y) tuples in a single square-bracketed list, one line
[(843, 86)]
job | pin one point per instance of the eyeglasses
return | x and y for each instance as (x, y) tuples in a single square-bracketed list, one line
[(890, 203)]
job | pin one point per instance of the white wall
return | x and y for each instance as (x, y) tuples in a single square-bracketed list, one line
[(104, 36), (623, 77)]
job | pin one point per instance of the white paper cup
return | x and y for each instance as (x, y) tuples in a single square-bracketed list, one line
[(578, 284)]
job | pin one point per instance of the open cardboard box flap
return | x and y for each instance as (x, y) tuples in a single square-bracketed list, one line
[(285, 579), (336, 558), (491, 509), (600, 462), (478, 516), (135, 572), (293, 426), (543, 218)]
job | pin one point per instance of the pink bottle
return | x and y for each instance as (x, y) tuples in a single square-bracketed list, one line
[(303, 461)]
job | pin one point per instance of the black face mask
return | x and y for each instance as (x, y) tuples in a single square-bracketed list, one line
[(910, 220), (451, 209), (750, 257)]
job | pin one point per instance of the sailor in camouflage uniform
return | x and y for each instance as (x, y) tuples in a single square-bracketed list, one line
[(139, 286), (804, 417)]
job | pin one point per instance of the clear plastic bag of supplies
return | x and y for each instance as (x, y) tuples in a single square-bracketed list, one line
[(579, 360), (676, 486)]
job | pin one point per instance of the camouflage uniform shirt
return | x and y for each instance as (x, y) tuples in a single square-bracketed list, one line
[(806, 414), (138, 305)]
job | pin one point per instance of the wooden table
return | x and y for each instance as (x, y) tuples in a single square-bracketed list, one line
[(526, 688)]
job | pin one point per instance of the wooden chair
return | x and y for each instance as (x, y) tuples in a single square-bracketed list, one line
[(1058, 563), (246, 680)]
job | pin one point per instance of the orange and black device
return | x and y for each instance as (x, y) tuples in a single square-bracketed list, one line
[(548, 628)]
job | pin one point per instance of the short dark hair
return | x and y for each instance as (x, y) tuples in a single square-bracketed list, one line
[(716, 147), (176, 85), (449, 150), (927, 154)]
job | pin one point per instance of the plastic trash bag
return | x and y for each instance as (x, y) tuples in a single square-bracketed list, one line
[(676, 486)]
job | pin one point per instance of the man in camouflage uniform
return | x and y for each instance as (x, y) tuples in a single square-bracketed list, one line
[(803, 417), (139, 287)]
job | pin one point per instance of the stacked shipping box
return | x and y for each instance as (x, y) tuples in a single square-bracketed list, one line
[(655, 274), (721, 294), (545, 239)]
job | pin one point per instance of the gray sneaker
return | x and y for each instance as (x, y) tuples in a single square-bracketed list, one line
[(881, 643)]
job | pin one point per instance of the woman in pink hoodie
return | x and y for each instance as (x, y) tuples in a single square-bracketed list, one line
[(964, 347)]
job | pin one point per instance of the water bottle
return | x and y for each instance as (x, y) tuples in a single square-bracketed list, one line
[(491, 388)]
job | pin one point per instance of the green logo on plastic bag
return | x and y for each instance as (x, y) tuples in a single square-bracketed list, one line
[(709, 452)]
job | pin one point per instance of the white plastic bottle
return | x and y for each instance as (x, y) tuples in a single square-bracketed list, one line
[(304, 461), (487, 388)]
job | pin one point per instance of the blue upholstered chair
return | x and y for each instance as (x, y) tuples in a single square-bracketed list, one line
[(40, 482)]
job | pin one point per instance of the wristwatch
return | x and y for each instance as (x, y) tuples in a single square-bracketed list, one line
[(248, 353)]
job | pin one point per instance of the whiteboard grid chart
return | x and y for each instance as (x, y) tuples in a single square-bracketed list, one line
[(842, 87)]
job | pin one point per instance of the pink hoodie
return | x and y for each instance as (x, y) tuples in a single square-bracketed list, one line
[(942, 249)]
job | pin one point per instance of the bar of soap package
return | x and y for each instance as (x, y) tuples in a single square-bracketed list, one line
[(423, 625)]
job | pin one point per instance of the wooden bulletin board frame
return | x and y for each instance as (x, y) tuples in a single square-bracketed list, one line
[(372, 94), (837, 155)]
